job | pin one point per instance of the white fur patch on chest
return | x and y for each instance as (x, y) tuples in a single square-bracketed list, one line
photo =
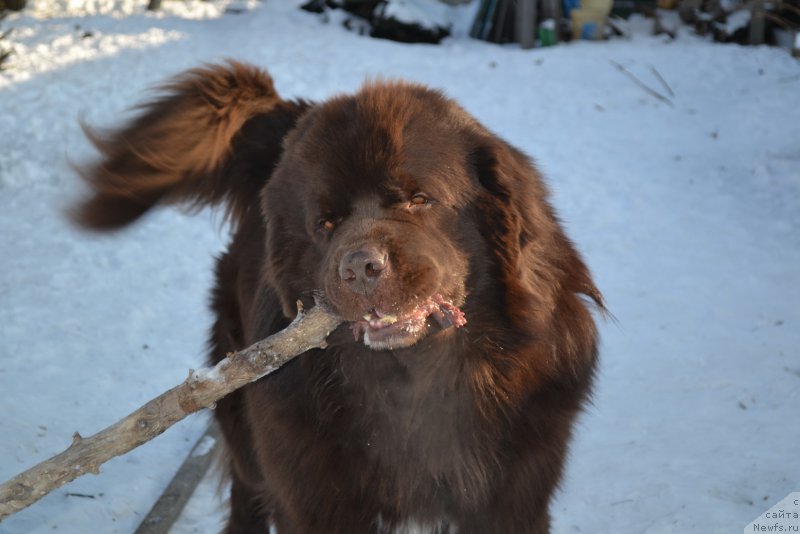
[(441, 526)]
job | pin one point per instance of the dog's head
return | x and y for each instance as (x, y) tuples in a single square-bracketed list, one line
[(365, 203)]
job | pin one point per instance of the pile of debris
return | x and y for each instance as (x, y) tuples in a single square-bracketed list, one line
[(12, 5), (774, 22), (407, 21)]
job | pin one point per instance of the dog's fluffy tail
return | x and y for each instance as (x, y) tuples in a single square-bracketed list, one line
[(213, 137)]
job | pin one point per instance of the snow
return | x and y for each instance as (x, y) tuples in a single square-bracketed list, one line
[(736, 21), (688, 213), (204, 446), (209, 374)]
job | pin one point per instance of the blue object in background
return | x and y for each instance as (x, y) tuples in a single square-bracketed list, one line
[(569, 5), (589, 30)]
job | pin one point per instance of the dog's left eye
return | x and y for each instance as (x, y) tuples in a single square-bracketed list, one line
[(419, 200)]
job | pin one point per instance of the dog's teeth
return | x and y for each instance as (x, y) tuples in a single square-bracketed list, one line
[(389, 319), (367, 316)]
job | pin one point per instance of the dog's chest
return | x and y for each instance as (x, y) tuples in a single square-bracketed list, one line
[(415, 412)]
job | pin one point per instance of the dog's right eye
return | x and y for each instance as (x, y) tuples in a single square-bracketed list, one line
[(326, 225)]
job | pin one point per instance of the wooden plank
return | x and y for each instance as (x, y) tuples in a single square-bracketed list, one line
[(170, 504), (757, 27), (526, 23)]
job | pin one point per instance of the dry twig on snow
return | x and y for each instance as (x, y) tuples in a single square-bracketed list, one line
[(649, 90), (661, 79), (202, 389)]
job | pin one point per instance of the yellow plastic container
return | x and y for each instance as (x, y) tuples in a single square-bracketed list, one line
[(589, 21)]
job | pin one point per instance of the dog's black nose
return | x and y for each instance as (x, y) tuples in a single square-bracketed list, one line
[(361, 269)]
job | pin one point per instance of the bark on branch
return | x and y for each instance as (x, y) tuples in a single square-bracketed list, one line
[(202, 389)]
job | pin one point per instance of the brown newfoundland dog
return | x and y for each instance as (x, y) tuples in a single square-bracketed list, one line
[(445, 402)]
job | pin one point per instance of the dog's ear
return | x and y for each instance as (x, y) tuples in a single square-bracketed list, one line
[(538, 261), (213, 137)]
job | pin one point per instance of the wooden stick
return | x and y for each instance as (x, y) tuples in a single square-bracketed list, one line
[(202, 389)]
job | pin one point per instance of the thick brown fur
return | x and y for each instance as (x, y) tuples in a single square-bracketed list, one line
[(449, 429)]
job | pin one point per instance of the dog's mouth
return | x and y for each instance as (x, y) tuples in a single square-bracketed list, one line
[(385, 331)]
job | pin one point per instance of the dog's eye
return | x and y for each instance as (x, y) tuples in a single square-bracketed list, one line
[(419, 200), (326, 225)]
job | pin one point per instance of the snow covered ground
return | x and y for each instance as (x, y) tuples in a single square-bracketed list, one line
[(688, 214)]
